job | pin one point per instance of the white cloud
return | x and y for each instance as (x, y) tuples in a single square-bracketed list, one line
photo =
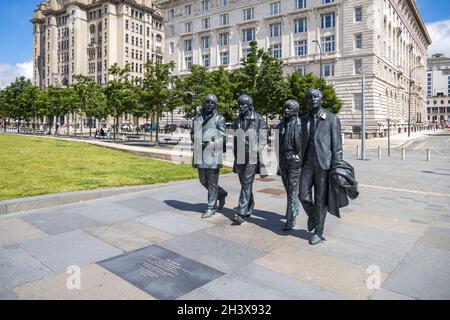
[(440, 34), (9, 72)]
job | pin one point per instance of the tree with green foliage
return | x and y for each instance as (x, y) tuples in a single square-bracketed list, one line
[(17, 105), (4, 108), (194, 87), (158, 94), (299, 84), (222, 84), (90, 99), (30, 97), (54, 106), (261, 76), (120, 93)]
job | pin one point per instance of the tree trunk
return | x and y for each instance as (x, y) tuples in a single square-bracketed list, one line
[(137, 125), (4, 124), (151, 128), (157, 125), (90, 127), (116, 120), (18, 126), (81, 129)]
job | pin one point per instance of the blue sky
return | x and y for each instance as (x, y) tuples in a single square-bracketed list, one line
[(16, 31)]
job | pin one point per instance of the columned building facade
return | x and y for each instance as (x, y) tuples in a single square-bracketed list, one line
[(438, 90), (87, 37), (386, 39)]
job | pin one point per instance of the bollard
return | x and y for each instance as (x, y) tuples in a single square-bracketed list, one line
[(403, 154), (357, 151), (379, 152), (428, 155)]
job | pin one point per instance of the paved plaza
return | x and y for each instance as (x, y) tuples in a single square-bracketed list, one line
[(154, 245)]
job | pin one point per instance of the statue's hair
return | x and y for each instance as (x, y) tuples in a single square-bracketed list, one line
[(293, 103), (246, 98), (211, 96)]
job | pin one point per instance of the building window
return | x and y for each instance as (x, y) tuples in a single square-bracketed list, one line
[(188, 26), (188, 62), (246, 52), (172, 47), (205, 60), (275, 8), (328, 20), (249, 14), (204, 42), (188, 45), (276, 50), (301, 47), (301, 70), (224, 58), (358, 41), (205, 5), (188, 9), (300, 4), (328, 70), (300, 25), (358, 66), (224, 19), (224, 38), (171, 14), (328, 44), (327, 1), (223, 3), (357, 102), (205, 23), (358, 14), (248, 34), (275, 30), (126, 38)]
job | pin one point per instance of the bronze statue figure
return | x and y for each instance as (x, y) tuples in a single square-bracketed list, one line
[(250, 137), (289, 132), (208, 136), (321, 147)]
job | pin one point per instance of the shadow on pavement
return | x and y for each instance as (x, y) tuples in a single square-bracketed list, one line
[(269, 220)]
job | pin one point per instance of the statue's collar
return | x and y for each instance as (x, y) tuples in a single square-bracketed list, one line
[(321, 113)]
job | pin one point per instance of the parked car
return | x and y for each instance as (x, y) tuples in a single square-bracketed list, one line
[(147, 127), (128, 127), (170, 128)]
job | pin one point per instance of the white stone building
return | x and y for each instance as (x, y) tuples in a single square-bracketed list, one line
[(387, 38), (438, 89), (86, 37)]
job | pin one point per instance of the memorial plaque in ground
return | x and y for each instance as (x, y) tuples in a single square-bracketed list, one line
[(162, 273)]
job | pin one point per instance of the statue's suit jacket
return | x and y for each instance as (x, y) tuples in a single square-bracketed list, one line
[(210, 129), (327, 138), (256, 125), (297, 144)]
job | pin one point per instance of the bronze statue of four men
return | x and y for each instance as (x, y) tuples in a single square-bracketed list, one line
[(308, 148)]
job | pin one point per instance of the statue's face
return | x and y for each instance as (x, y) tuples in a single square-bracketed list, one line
[(244, 106), (313, 99), (290, 110), (209, 104)]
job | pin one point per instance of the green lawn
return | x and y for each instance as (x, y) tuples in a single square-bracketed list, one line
[(31, 166)]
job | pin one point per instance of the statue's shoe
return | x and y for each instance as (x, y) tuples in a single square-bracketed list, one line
[(208, 214), (315, 239), (222, 201)]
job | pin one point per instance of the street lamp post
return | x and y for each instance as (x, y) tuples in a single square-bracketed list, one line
[(320, 59), (363, 115), (409, 99)]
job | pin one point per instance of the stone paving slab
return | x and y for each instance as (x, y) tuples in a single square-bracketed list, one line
[(15, 231), (144, 204), (59, 221), (333, 274), (105, 212), (72, 248), (129, 235), (256, 283), (355, 252), (18, 267), (96, 283), (224, 255), (162, 273), (173, 223), (423, 274), (395, 242), (383, 294)]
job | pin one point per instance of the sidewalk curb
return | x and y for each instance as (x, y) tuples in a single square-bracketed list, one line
[(52, 200)]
